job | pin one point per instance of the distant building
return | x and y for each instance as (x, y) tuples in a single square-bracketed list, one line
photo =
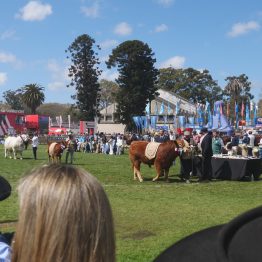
[(165, 106)]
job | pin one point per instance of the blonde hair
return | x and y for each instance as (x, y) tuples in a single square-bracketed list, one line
[(64, 215)]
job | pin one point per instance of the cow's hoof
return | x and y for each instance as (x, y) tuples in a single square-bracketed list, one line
[(21, 158), (155, 179), (10, 157), (141, 180)]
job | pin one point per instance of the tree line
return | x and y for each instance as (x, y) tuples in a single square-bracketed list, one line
[(137, 83)]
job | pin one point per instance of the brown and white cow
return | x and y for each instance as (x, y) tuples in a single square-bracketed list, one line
[(55, 151), (163, 159)]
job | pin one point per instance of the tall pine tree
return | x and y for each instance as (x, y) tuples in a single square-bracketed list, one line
[(137, 78), (84, 74)]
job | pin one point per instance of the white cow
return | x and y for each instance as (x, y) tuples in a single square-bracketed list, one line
[(15, 145)]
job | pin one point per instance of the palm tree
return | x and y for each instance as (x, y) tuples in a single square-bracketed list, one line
[(33, 96)]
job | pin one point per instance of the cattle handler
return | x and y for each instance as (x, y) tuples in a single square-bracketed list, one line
[(70, 142)]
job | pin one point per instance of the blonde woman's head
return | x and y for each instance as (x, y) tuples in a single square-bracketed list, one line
[(64, 216)]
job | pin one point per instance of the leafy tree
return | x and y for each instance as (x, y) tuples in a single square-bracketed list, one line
[(137, 78), (237, 91), (14, 99), (238, 88), (108, 92), (190, 84), (84, 74), (32, 96), (4, 106)]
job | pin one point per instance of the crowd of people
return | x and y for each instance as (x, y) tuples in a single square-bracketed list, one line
[(72, 218)]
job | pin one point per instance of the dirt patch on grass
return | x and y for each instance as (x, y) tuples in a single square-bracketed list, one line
[(139, 235)]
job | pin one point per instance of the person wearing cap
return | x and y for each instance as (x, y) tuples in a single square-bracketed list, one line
[(6, 238), (237, 241), (207, 153), (35, 143)]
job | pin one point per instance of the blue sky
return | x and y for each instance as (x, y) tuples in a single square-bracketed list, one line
[(222, 36)]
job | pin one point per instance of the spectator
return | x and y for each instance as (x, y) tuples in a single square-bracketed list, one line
[(207, 153), (162, 137), (172, 135), (64, 216), (217, 143), (35, 143), (196, 138), (119, 145), (246, 139), (6, 238), (234, 140), (251, 142)]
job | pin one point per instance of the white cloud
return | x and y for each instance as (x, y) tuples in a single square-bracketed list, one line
[(175, 62), (10, 58), (34, 11), (108, 44), (91, 11), (109, 75), (3, 78), (58, 74), (7, 34), (123, 29), (161, 28), (243, 28), (7, 58), (165, 3)]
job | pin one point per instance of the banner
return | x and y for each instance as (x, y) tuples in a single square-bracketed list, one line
[(247, 114), (181, 121), (162, 109), (255, 114), (236, 109), (135, 119), (153, 120), (251, 106), (200, 116), (242, 110), (144, 122), (148, 109), (191, 120)]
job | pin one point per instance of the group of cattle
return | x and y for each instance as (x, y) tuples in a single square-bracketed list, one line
[(14, 147), (161, 155)]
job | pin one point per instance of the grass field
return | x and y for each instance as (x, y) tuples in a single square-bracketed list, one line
[(148, 216)]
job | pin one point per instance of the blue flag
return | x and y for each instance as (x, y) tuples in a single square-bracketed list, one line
[(255, 114), (147, 109), (162, 109), (247, 114), (182, 121)]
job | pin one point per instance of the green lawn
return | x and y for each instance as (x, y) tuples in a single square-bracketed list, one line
[(148, 216)]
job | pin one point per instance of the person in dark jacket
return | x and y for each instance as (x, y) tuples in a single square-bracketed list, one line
[(207, 153)]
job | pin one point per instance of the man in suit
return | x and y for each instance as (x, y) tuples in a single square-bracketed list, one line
[(207, 153)]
